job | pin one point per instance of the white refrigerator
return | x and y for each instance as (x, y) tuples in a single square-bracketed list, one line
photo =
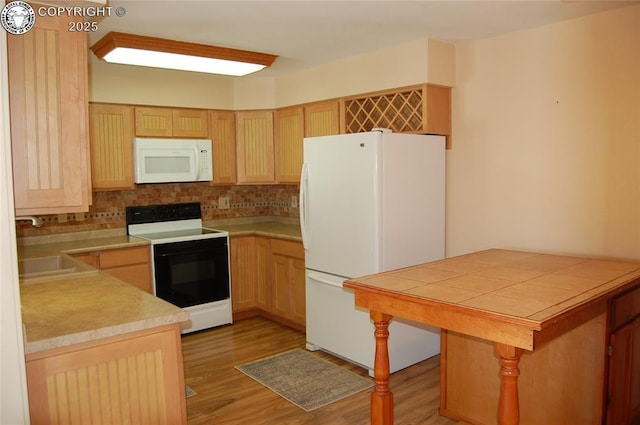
[(369, 202)]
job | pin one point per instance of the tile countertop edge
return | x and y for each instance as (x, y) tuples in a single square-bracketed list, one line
[(106, 332)]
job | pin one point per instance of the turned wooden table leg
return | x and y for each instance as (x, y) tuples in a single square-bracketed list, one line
[(381, 398), (509, 407)]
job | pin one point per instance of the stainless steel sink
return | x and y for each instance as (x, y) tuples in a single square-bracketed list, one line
[(53, 267)]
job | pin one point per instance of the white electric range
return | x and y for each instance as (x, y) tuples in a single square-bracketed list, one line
[(190, 263)]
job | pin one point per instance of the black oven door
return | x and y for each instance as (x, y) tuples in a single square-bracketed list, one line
[(192, 272)]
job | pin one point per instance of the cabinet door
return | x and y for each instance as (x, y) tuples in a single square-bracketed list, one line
[(288, 281), (263, 291), (222, 132), (289, 132), (190, 123), (624, 376), (254, 138), (298, 291), (136, 378), (112, 134), (131, 265), (154, 122), (49, 110), (281, 288), (243, 273), (321, 119)]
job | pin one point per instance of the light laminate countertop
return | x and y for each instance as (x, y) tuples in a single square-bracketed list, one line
[(271, 229), (73, 310), (63, 312)]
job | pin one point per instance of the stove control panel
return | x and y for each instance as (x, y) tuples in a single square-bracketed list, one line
[(165, 212)]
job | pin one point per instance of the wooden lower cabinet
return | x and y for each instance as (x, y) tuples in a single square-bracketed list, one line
[(133, 378), (268, 278), (131, 265), (243, 273), (623, 395), (588, 376), (288, 281), (560, 383), (263, 294)]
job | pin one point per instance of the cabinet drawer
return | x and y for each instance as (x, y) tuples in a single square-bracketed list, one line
[(287, 248), (625, 307), (124, 256)]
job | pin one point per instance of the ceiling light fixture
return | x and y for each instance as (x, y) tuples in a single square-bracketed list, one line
[(131, 49)]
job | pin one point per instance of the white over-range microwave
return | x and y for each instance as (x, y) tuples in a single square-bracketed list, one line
[(172, 160)]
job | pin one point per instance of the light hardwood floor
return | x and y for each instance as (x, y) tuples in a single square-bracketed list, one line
[(225, 396)]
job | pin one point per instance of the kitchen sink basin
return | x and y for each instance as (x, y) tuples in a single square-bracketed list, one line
[(52, 267)]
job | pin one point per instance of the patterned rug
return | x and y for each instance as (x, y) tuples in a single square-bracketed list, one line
[(189, 392), (305, 379)]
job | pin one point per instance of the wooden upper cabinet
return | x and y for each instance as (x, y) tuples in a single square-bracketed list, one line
[(171, 122), (49, 110), (289, 133), (255, 149), (112, 133), (154, 122), (438, 111), (190, 123), (322, 118), (222, 132)]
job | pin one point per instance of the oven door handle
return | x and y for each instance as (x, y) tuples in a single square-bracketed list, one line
[(198, 251)]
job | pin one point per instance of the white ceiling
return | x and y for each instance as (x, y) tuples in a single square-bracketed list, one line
[(308, 33)]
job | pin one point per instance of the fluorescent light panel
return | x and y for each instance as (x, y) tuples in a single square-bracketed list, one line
[(181, 62), (154, 52)]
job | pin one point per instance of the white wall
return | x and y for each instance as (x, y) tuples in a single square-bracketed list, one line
[(13, 385), (546, 139)]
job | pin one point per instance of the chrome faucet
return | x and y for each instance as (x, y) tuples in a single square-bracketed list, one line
[(35, 221)]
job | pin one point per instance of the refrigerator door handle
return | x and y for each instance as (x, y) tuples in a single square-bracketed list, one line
[(304, 177)]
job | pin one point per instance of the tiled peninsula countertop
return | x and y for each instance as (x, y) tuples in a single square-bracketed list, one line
[(67, 311), (531, 290)]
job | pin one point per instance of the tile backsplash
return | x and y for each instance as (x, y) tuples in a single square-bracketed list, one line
[(108, 209)]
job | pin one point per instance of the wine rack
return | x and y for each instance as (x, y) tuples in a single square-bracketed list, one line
[(400, 111)]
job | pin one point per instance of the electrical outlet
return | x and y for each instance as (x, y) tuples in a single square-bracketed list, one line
[(294, 201), (223, 203)]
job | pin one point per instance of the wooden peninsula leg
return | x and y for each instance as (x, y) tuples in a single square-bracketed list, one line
[(509, 407), (381, 398)]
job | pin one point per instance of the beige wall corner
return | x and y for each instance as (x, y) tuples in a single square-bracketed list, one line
[(441, 63), (398, 66)]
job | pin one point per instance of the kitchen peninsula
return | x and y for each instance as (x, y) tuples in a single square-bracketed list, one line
[(92, 340), (549, 318)]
